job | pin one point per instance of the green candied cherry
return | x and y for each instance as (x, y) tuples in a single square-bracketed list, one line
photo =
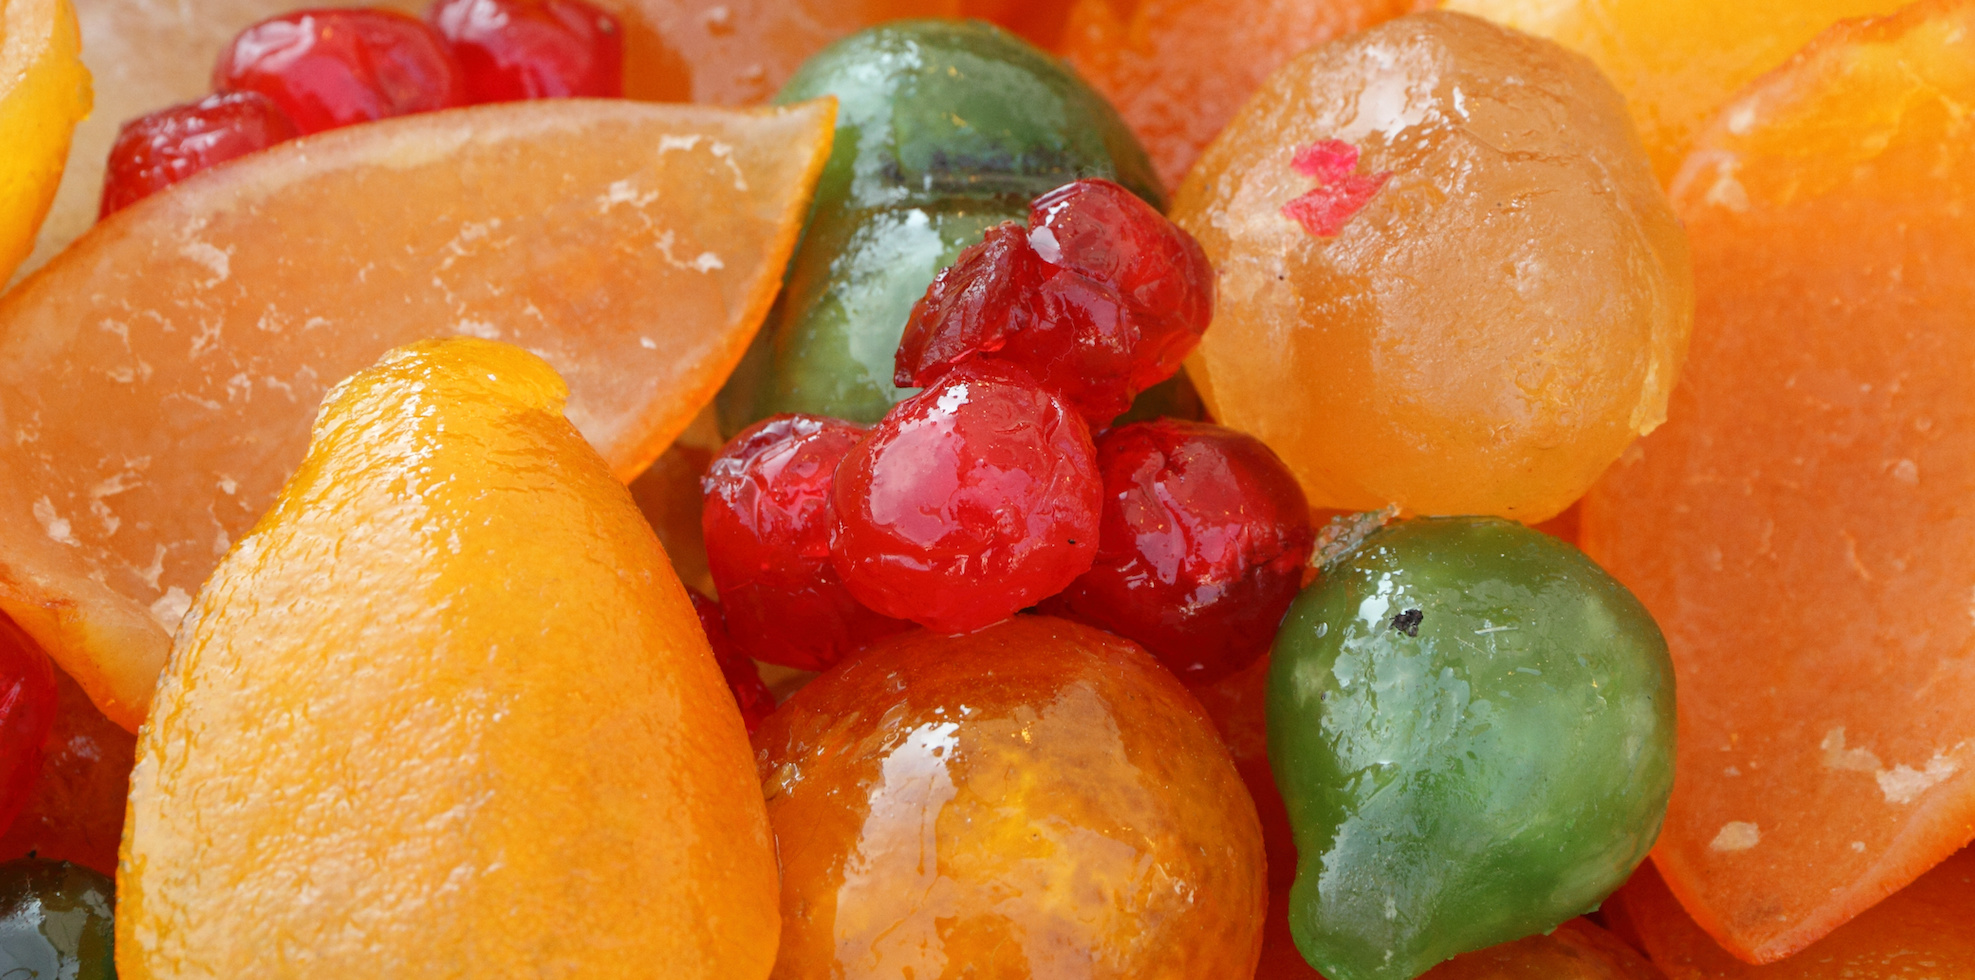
[(1472, 726), (944, 129), (56, 922)]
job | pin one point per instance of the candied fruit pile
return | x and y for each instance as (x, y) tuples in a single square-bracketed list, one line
[(481, 499)]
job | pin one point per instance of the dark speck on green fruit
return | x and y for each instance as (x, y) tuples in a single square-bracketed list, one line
[(1472, 726)]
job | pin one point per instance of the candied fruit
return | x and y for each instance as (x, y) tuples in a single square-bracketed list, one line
[(1501, 318), (1676, 61), (75, 810), (44, 93), (1200, 549), (335, 67), (155, 151), (1038, 799), (1098, 299), (517, 746), (533, 49), (1801, 529), (973, 499), (27, 715), (766, 525), (1178, 69), (165, 369), (751, 695), (1919, 931)]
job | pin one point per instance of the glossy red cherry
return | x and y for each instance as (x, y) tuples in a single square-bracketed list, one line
[(330, 68), (767, 529), (968, 502), (743, 677), (1205, 534), (533, 49), (158, 150), (1099, 298), (27, 714)]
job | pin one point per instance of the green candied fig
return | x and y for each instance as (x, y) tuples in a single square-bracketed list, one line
[(944, 129), (56, 922), (1472, 726)]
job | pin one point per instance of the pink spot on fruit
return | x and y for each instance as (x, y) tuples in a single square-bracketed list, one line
[(1341, 192)]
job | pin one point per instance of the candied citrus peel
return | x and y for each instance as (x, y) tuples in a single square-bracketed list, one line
[(1801, 528), (446, 711), (160, 375), (44, 92)]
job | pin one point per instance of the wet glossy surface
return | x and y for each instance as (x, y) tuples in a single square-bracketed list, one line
[(159, 149), (1802, 528), (74, 811), (402, 740), (1037, 800), (55, 922), (1493, 326), (161, 376), (27, 715), (944, 129), (330, 68), (1920, 932), (533, 49), (1472, 727)]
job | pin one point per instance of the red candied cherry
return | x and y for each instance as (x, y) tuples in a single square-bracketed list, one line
[(743, 677), (533, 49), (767, 528), (330, 68), (1099, 298), (27, 715), (156, 151), (968, 502), (1204, 538)]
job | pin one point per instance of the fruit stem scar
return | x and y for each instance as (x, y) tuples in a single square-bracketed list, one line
[(1341, 191)]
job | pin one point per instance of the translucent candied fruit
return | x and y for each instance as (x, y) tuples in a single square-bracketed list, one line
[(1802, 529), (1480, 332), (1038, 799)]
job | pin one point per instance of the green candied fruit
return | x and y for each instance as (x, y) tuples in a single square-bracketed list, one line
[(1472, 726), (944, 129), (56, 922)]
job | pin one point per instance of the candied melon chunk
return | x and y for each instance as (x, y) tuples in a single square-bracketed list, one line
[(399, 739), (1178, 69), (159, 377), (1801, 527), (1448, 280), (44, 92), (1676, 61), (1922, 930)]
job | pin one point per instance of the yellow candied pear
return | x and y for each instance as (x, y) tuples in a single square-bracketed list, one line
[(446, 712), (44, 92), (1676, 61)]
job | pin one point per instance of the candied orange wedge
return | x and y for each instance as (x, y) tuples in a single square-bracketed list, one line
[(1801, 526), (446, 712), (159, 377), (1676, 61), (44, 92)]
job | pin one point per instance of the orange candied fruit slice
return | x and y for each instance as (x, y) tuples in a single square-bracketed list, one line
[(161, 374), (1921, 931), (1801, 528), (1178, 69), (1676, 61), (44, 92)]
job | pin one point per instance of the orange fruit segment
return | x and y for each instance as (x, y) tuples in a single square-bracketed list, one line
[(739, 52), (1801, 527), (75, 810), (143, 56), (159, 376), (44, 91), (1921, 931), (1178, 69), (451, 749), (1676, 61)]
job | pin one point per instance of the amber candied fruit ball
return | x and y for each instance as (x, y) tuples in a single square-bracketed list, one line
[(1039, 798), (1448, 279)]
